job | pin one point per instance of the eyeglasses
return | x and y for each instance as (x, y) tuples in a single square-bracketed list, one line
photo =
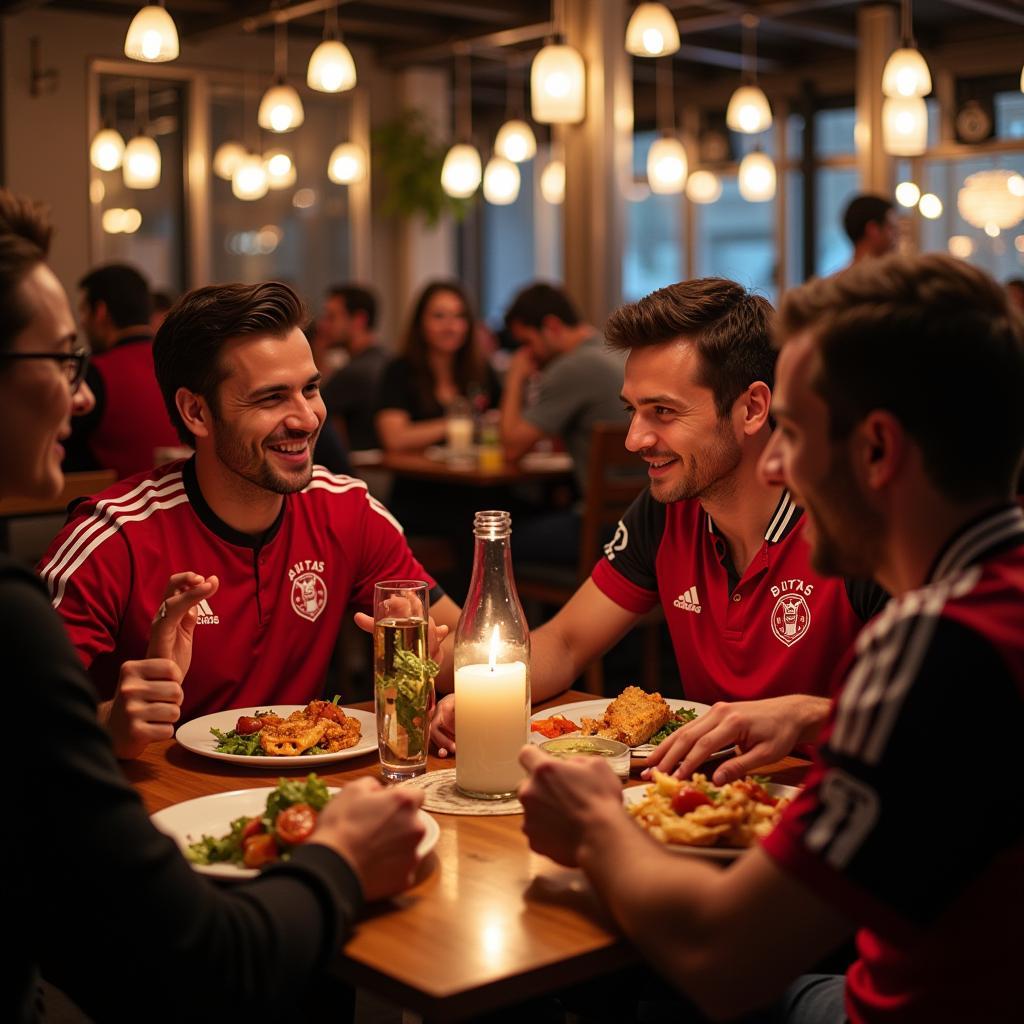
[(73, 364)]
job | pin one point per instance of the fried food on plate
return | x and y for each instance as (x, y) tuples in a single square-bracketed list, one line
[(632, 718), (320, 727)]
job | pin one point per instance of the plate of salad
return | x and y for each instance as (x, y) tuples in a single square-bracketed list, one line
[(234, 835)]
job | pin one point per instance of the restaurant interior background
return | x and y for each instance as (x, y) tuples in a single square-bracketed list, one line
[(465, 68)]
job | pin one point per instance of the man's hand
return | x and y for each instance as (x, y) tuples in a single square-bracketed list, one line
[(175, 620), (563, 798), (763, 730), (377, 831), (522, 365), (442, 726)]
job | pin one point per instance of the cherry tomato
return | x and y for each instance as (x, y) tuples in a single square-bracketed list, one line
[(295, 824), (253, 827), (687, 800), (259, 850), (247, 725)]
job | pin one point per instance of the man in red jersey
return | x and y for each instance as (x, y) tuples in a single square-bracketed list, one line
[(900, 432), (274, 549)]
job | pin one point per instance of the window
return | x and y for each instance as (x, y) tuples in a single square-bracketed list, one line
[(508, 250)]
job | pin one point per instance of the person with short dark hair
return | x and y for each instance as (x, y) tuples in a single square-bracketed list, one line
[(208, 952), (870, 224), (292, 545), (348, 322), (880, 841), (128, 423)]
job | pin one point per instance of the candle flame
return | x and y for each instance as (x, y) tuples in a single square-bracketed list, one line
[(495, 644)]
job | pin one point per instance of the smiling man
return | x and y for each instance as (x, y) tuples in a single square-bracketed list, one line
[(277, 547)]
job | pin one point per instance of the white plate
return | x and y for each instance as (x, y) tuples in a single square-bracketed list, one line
[(541, 461), (196, 736), (212, 815), (596, 708), (635, 795)]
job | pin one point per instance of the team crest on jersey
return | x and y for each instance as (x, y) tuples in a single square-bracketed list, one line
[(309, 595), (791, 618), (618, 542)]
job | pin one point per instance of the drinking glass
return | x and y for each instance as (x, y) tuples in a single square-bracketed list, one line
[(403, 676)]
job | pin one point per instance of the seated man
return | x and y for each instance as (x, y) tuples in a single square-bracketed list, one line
[(926, 867), (719, 548), (276, 548)]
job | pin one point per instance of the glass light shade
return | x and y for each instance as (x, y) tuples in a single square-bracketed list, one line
[(757, 177), (961, 247), (250, 178), (141, 165), (904, 125), (461, 173), (1015, 183), (112, 220), (331, 68), (749, 111), (501, 181), (227, 158), (652, 31), (131, 221), (552, 183), (346, 164), (666, 166), (515, 141), (987, 200), (152, 36), (907, 194), (280, 109), (906, 74), (930, 206), (280, 169), (107, 150), (703, 187), (557, 79)]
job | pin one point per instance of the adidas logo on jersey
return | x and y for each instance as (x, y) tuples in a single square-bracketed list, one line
[(688, 602), (206, 616)]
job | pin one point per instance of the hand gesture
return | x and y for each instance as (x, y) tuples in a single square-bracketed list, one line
[(175, 620)]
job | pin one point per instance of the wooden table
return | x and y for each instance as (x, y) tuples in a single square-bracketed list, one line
[(533, 467), (488, 924)]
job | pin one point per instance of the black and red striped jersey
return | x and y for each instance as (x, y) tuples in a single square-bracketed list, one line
[(912, 821), (267, 634)]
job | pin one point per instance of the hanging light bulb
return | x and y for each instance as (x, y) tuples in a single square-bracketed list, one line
[(930, 206), (152, 36), (227, 158), (347, 164), (757, 177), (666, 166), (749, 111), (250, 178), (557, 78), (280, 169), (652, 31), (501, 181), (280, 109), (331, 68), (703, 187), (131, 221), (515, 141), (906, 71), (141, 165), (552, 182), (107, 150), (904, 125), (460, 175), (907, 194)]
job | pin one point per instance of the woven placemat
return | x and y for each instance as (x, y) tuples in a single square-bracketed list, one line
[(443, 798)]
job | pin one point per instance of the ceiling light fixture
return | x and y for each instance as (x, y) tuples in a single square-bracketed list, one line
[(140, 165), (552, 182), (666, 159), (906, 71), (501, 181), (652, 31), (331, 67), (107, 150), (757, 177), (558, 79), (749, 111), (226, 159), (703, 187), (904, 125), (250, 181), (515, 140), (461, 172), (347, 164), (280, 169), (152, 36), (281, 108)]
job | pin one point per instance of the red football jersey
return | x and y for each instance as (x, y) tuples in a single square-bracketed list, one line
[(267, 634), (779, 628), (928, 864)]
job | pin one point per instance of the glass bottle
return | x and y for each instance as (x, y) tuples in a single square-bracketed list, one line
[(492, 668)]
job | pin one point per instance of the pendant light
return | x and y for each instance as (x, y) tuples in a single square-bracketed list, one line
[(652, 31), (906, 71), (757, 177), (666, 159), (501, 181), (461, 173), (558, 79), (347, 164), (226, 159), (249, 181), (152, 36), (140, 166), (280, 168), (280, 109), (515, 140), (107, 150), (749, 111), (703, 187), (904, 125), (331, 67), (552, 178)]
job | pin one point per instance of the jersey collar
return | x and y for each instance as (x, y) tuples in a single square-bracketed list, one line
[(983, 536), (215, 524), (786, 515)]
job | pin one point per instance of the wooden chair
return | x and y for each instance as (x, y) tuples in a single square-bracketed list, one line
[(614, 479)]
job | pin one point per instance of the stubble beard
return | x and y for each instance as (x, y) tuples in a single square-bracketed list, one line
[(238, 458), (709, 473)]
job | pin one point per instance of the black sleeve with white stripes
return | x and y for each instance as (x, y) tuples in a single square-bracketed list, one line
[(913, 835), (634, 548), (866, 598)]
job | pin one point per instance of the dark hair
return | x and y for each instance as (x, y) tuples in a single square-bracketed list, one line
[(730, 328), (539, 300), (122, 289), (468, 369), (25, 232), (862, 211), (357, 300), (935, 342), (187, 347)]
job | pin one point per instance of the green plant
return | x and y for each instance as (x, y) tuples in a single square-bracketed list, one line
[(409, 159)]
